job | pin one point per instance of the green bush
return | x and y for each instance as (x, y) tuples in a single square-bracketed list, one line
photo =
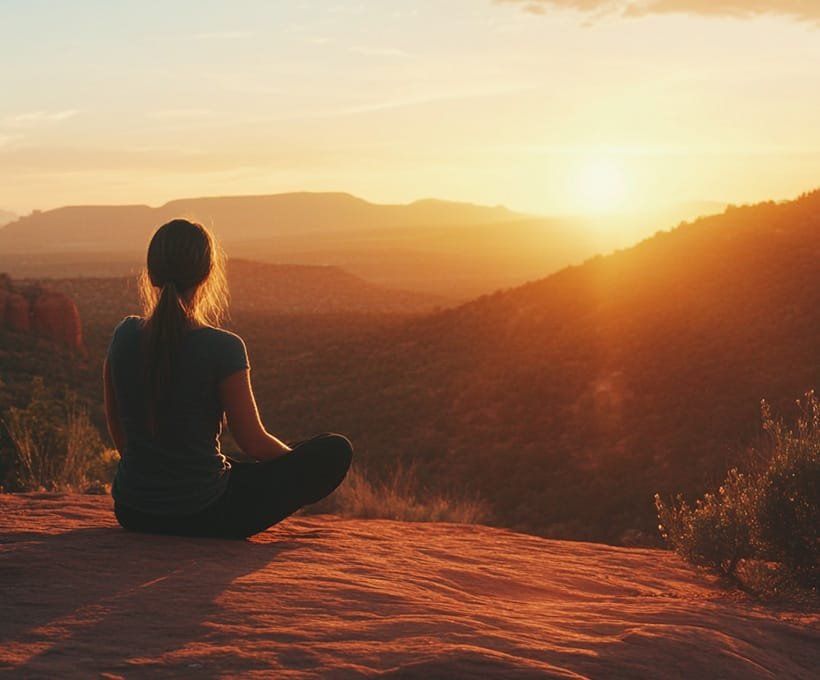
[(789, 493), (717, 531), (52, 445), (770, 514)]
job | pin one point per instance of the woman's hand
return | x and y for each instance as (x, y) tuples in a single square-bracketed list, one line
[(239, 404), (112, 413)]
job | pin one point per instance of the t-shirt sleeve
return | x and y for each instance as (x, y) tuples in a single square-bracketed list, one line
[(121, 328), (233, 356)]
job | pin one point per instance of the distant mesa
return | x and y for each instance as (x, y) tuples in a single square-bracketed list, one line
[(40, 311), (120, 228)]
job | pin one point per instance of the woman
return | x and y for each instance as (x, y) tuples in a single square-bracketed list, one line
[(170, 379)]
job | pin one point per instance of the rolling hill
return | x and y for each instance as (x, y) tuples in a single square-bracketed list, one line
[(569, 401)]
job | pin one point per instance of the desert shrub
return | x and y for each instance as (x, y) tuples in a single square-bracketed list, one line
[(398, 497), (53, 444), (769, 514), (717, 531), (788, 508)]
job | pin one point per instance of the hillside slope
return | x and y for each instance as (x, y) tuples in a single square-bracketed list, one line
[(332, 598), (257, 287), (570, 401)]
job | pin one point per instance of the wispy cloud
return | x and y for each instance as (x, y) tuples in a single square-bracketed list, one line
[(379, 51), (420, 99), (807, 10), (222, 35), (182, 114), (34, 117)]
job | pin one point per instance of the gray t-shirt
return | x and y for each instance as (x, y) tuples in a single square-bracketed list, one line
[(182, 471)]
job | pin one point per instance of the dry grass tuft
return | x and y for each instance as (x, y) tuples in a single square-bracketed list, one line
[(398, 497)]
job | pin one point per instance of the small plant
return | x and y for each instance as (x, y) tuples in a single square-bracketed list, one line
[(398, 497), (55, 445), (766, 516), (717, 531), (788, 503)]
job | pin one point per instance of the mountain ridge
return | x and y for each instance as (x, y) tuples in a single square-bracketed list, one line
[(233, 217)]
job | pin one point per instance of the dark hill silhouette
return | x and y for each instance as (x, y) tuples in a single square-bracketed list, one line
[(569, 401), (280, 214), (127, 228), (75, 229)]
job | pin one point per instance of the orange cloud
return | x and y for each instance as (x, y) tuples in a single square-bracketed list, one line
[(799, 9)]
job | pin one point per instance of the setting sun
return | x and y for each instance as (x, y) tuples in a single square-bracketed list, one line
[(600, 185), (365, 98)]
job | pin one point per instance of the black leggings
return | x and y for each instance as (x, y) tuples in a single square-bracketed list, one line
[(258, 494)]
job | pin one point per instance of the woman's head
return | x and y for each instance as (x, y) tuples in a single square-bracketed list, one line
[(185, 261), (182, 287)]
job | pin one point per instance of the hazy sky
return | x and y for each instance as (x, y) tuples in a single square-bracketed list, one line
[(549, 106)]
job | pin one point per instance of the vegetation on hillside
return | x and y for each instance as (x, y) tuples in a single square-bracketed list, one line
[(51, 444), (565, 404), (569, 402)]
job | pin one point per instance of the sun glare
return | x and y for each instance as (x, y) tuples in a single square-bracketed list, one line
[(600, 185)]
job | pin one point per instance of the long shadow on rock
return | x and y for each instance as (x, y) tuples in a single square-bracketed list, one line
[(103, 593)]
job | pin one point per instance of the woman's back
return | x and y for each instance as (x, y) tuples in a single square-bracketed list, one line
[(176, 467)]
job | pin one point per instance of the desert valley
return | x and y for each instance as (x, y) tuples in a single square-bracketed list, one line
[(479, 339)]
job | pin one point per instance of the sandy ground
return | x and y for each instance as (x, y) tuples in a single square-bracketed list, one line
[(323, 597)]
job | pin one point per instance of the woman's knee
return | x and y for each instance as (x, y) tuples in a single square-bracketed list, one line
[(339, 452), (327, 459), (344, 445)]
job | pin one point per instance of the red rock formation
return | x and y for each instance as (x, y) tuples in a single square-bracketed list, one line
[(55, 316), (48, 313), (17, 316)]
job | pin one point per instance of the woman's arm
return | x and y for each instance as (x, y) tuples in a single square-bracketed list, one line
[(239, 404), (112, 414)]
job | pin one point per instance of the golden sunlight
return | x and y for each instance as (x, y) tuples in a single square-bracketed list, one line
[(600, 185)]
